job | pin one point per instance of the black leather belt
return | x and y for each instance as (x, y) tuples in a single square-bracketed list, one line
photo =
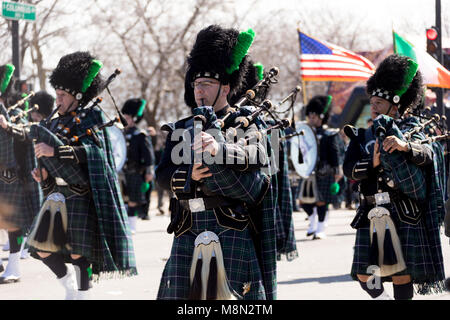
[(208, 203), (368, 200)]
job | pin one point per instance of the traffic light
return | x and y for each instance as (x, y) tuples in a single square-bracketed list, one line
[(432, 42)]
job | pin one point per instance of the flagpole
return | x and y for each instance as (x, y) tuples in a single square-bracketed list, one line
[(304, 94)]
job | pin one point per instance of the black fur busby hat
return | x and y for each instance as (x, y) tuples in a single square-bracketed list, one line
[(397, 80), (78, 73), (6, 80), (218, 53), (134, 107), (320, 105), (45, 101)]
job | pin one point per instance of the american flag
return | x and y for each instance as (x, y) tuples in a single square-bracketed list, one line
[(322, 61)]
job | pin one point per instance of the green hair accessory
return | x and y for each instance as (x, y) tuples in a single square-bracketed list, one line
[(259, 70), (145, 187), (141, 108), (334, 188), (243, 43), (93, 71), (327, 106), (26, 104), (9, 70), (409, 76)]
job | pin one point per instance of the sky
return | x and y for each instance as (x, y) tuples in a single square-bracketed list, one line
[(409, 17)]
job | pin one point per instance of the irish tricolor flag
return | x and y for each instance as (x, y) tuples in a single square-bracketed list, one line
[(434, 74)]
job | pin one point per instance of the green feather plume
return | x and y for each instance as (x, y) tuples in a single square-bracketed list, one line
[(259, 70), (244, 41), (9, 70), (409, 76), (145, 186), (26, 103), (93, 71), (141, 108), (334, 188), (330, 98)]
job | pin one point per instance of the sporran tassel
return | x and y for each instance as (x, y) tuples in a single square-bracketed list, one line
[(195, 292), (373, 253), (59, 235), (390, 257), (43, 228), (211, 290)]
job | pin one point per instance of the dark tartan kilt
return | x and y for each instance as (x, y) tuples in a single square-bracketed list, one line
[(323, 188), (81, 225), (133, 187), (239, 255), (423, 257), (24, 201)]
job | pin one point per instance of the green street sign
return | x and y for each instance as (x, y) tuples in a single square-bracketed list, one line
[(18, 11)]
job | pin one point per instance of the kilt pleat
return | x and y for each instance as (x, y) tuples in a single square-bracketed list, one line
[(323, 188), (23, 201), (133, 187)]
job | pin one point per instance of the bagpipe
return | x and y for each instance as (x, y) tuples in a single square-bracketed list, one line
[(248, 110), (39, 133), (400, 173), (82, 110), (21, 102), (21, 114)]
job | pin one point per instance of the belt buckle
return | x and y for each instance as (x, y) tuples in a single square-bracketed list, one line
[(382, 198), (61, 182), (196, 205)]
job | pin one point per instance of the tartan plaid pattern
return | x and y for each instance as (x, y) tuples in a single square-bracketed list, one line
[(440, 178), (323, 189), (7, 158), (24, 195), (72, 173), (106, 240), (115, 242), (241, 263), (332, 157), (266, 244), (286, 243), (133, 187), (421, 250), (408, 177), (80, 225), (25, 200), (245, 186), (420, 243)]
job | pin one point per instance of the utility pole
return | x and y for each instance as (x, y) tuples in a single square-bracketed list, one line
[(439, 91), (16, 47)]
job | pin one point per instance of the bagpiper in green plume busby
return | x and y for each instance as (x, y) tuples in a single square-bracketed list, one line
[(139, 166), (7, 83), (135, 107), (218, 54), (83, 220), (20, 195), (45, 103), (320, 189), (217, 253), (401, 198)]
